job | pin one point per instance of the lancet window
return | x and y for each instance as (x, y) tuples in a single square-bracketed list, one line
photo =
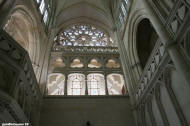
[(45, 9)]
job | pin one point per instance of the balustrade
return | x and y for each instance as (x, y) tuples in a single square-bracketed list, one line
[(85, 49), (174, 24)]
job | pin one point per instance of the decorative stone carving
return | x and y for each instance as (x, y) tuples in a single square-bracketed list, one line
[(18, 77)]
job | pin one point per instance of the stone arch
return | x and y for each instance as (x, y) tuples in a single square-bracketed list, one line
[(97, 61), (145, 41), (135, 62), (21, 25), (77, 62), (116, 62), (131, 43), (56, 64), (68, 12), (9, 104), (84, 20)]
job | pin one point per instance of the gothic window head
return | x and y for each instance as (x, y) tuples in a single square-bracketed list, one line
[(83, 35)]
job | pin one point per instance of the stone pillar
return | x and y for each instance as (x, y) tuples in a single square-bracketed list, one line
[(171, 45), (66, 83), (86, 85), (123, 55), (106, 84)]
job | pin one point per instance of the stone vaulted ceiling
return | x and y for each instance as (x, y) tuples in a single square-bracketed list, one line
[(87, 11)]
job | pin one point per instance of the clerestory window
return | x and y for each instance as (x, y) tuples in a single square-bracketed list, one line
[(80, 84), (44, 7), (123, 9), (96, 84)]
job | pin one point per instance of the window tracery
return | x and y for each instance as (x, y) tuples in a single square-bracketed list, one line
[(76, 84), (90, 55), (123, 10), (96, 84), (83, 35)]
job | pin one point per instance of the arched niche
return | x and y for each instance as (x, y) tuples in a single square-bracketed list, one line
[(94, 63), (57, 63), (112, 63), (22, 27), (76, 63), (146, 38)]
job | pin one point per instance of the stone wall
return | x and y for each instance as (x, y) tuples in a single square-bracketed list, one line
[(76, 111)]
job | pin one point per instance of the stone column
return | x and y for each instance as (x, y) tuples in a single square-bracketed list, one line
[(66, 82), (86, 85), (123, 55), (106, 84), (171, 45)]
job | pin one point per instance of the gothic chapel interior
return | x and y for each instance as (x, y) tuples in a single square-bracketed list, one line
[(95, 62)]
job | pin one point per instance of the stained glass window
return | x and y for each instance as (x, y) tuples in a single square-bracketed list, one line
[(96, 84), (83, 35), (123, 9), (45, 16), (38, 1), (126, 1), (42, 6), (120, 18), (76, 84), (45, 9), (56, 84), (115, 84)]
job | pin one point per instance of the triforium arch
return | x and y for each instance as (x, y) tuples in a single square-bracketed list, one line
[(146, 39), (130, 42), (21, 25), (139, 23)]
